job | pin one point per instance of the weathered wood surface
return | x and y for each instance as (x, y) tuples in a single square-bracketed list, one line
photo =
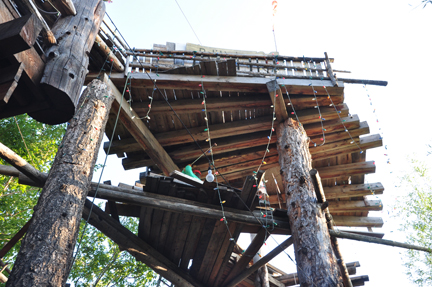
[(140, 132), (316, 261), (370, 239), (50, 239), (109, 55), (138, 248), (48, 34), (272, 254), (316, 181), (357, 221), (222, 83), (18, 35), (278, 102), (67, 62)]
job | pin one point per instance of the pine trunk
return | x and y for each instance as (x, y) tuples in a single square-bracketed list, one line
[(46, 252), (316, 262)]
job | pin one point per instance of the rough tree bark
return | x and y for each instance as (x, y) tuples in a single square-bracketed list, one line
[(316, 262), (46, 251)]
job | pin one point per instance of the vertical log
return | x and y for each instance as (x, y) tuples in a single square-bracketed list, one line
[(316, 262), (262, 276), (67, 62), (46, 251)]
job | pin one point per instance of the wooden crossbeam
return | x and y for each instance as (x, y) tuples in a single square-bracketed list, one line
[(346, 146), (363, 129), (236, 128), (140, 132), (250, 101), (278, 249), (248, 255), (353, 190), (174, 204), (358, 221), (343, 170), (222, 83)]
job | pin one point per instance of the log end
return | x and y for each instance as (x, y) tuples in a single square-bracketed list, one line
[(51, 38)]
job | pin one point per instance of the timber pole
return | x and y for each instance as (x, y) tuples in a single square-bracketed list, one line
[(46, 252), (316, 261)]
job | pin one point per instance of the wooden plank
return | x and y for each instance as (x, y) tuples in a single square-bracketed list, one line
[(140, 132), (19, 34), (347, 169), (248, 255), (281, 247), (276, 97), (353, 190), (192, 239), (345, 147), (203, 242), (225, 84)]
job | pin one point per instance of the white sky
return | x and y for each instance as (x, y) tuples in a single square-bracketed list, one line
[(380, 40)]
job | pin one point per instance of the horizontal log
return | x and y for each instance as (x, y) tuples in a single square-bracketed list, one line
[(369, 239), (363, 129), (371, 234), (183, 206), (346, 146), (353, 190), (222, 83), (357, 221), (109, 55), (345, 170), (292, 279)]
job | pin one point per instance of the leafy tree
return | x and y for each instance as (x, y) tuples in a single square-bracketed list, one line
[(100, 262), (415, 213)]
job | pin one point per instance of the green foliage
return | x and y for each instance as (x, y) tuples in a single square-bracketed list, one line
[(101, 262), (17, 201), (415, 213)]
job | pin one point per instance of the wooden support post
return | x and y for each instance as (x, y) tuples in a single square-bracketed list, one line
[(140, 132), (277, 99), (316, 261), (316, 181), (67, 62), (262, 276), (50, 240), (330, 71), (272, 254)]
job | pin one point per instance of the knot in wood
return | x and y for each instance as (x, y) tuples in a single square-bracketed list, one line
[(302, 179)]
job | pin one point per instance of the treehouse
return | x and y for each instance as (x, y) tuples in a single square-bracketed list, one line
[(215, 111)]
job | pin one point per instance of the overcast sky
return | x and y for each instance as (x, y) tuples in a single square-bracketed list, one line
[(379, 40)]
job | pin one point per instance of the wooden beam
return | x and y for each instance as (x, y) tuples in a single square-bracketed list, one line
[(346, 146), (370, 239), (19, 34), (140, 131), (343, 170), (20, 164), (353, 190), (278, 249), (249, 101), (357, 221), (278, 102), (108, 54), (248, 255), (138, 248), (330, 70), (222, 83), (174, 204), (362, 129)]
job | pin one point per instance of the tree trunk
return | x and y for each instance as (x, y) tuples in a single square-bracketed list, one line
[(67, 62), (46, 251), (316, 262)]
